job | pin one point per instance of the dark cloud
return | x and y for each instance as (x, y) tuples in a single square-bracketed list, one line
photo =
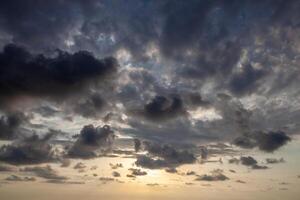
[(30, 150), (91, 107), (265, 141), (271, 141), (248, 161), (116, 174), (37, 75), (163, 108), (246, 81), (251, 162), (137, 145), (151, 163), (176, 55), (10, 124), (80, 165), (163, 156), (91, 139)]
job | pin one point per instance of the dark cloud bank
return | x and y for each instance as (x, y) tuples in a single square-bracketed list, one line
[(164, 64)]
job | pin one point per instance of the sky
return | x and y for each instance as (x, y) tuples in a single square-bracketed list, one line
[(143, 99)]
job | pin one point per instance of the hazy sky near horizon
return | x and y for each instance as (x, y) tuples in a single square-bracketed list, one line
[(149, 99)]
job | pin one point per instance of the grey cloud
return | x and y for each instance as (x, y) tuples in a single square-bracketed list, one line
[(7, 168), (46, 172), (116, 174), (216, 175), (18, 178), (31, 150), (137, 172), (46, 111), (10, 124), (250, 161), (167, 157), (274, 160), (161, 108), (91, 139), (247, 80), (22, 73), (90, 107), (137, 145), (265, 141)]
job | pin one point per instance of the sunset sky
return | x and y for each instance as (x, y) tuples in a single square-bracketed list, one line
[(149, 99)]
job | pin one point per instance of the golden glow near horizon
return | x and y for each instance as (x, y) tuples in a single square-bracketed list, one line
[(93, 180)]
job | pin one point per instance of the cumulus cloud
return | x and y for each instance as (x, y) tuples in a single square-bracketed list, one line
[(265, 141), (137, 172), (161, 156), (91, 139), (251, 162), (176, 58), (31, 150)]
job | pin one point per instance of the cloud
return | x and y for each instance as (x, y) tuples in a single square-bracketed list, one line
[(79, 165), (248, 161), (116, 166), (37, 75), (265, 141), (274, 160), (137, 145), (176, 58), (17, 178), (116, 174), (162, 108), (46, 111), (46, 172), (247, 80), (171, 170), (10, 125), (31, 150), (216, 175), (251, 162), (91, 107), (7, 168), (91, 139), (137, 172), (166, 156)]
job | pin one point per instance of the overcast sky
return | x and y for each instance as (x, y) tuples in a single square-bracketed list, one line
[(161, 85)]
